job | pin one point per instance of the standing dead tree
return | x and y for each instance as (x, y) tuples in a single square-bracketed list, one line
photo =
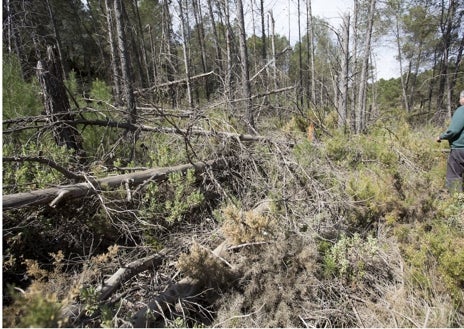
[(56, 102)]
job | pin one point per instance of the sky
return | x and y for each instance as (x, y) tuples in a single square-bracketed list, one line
[(285, 15)]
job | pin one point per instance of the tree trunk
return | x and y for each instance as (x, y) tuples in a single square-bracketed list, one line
[(113, 53), (444, 92), (274, 54), (311, 50), (54, 195), (141, 41), (362, 93), (185, 50), (57, 37), (56, 103), (263, 33), (398, 12), (15, 44), (125, 63), (344, 75), (169, 62), (355, 65), (245, 70), (201, 39), (229, 46), (215, 37), (300, 59)]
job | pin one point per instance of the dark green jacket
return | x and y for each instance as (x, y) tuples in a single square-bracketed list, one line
[(455, 132)]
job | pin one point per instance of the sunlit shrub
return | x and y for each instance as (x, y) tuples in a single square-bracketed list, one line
[(246, 226), (201, 264), (349, 257)]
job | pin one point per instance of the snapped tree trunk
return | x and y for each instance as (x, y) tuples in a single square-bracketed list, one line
[(56, 103)]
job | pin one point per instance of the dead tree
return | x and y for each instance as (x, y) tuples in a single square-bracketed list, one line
[(245, 70), (125, 62), (54, 195), (56, 102)]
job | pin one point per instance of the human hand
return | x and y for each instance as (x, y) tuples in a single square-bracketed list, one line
[(438, 139)]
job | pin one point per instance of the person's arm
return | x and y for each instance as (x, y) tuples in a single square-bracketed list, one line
[(456, 125)]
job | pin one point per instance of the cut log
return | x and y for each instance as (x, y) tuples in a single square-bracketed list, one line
[(55, 194)]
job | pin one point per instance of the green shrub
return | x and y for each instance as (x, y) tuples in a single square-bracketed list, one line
[(349, 256), (20, 98), (29, 175), (175, 199)]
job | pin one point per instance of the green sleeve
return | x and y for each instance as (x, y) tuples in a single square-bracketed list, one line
[(456, 126)]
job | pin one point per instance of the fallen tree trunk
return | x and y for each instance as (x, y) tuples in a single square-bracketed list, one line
[(54, 195), (187, 287), (166, 130), (109, 286), (128, 271)]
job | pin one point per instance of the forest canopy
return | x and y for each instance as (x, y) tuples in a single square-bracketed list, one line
[(176, 163)]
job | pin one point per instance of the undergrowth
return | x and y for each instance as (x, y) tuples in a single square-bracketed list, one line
[(355, 231)]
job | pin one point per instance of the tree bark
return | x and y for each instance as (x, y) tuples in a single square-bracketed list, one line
[(263, 32), (113, 53), (198, 16), (229, 45), (300, 58), (57, 36), (56, 103), (245, 70), (128, 271), (344, 75), (125, 63), (54, 195), (141, 42), (215, 37), (185, 51), (362, 93), (310, 32)]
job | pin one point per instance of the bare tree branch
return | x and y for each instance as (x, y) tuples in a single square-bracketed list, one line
[(128, 271), (67, 173)]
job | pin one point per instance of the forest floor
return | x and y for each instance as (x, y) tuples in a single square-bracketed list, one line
[(293, 231)]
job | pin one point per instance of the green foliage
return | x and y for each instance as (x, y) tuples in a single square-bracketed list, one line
[(100, 91), (348, 257), (39, 306), (160, 151), (39, 311), (89, 297), (20, 98), (435, 249), (29, 175), (391, 96), (72, 84), (171, 202)]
